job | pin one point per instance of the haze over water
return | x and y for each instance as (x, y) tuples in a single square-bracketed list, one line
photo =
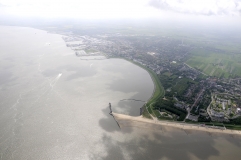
[(55, 106)]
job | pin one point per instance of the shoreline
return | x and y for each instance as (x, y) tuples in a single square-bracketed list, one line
[(149, 114), (157, 88), (149, 72), (185, 126)]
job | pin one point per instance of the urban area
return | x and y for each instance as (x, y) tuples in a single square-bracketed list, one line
[(190, 94)]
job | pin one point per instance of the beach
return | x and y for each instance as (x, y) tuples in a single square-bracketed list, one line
[(140, 121)]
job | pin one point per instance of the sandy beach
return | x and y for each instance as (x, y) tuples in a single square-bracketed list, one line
[(130, 121)]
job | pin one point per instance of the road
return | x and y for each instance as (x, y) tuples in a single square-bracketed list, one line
[(196, 69), (189, 110)]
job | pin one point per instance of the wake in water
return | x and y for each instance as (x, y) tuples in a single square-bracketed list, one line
[(55, 80)]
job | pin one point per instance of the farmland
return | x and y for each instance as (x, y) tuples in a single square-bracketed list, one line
[(219, 65)]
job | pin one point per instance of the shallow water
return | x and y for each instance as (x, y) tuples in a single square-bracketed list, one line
[(53, 105)]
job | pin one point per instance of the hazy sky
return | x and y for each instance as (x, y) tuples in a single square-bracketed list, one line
[(105, 9)]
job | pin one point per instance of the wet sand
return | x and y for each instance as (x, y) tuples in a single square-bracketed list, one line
[(130, 121)]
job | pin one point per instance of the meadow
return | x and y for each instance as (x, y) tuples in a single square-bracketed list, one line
[(220, 65)]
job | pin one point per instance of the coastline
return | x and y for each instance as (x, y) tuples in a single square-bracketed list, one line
[(133, 122), (149, 113), (158, 90)]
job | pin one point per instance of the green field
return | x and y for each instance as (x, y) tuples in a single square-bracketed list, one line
[(181, 85), (216, 64), (176, 85), (157, 94)]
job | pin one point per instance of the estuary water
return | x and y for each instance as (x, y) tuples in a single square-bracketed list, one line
[(53, 105)]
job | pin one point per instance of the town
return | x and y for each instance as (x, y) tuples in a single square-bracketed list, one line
[(190, 94)]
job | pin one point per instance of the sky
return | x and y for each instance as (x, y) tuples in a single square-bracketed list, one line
[(210, 11)]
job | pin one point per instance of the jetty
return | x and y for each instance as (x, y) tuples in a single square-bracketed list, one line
[(110, 109)]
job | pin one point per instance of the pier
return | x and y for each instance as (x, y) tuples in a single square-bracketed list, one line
[(110, 109)]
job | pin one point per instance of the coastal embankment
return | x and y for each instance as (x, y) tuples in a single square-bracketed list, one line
[(158, 92)]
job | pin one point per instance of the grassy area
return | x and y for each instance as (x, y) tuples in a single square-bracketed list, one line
[(157, 113), (146, 113), (216, 64), (150, 110), (159, 90), (181, 85), (176, 85), (190, 121), (234, 127), (164, 118)]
